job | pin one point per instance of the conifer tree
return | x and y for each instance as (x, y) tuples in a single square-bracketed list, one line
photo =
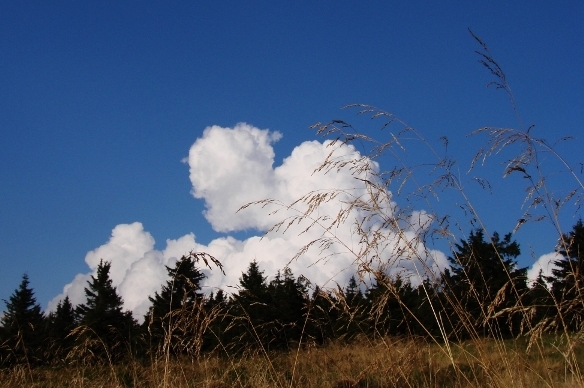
[(353, 293), (177, 301), (61, 323), (251, 309), (288, 304), (387, 297), (353, 310), (108, 330), (23, 326), (568, 279), (479, 271), (540, 301), (324, 316)]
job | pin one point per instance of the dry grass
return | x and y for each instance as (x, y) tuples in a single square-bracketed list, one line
[(533, 360), (388, 362)]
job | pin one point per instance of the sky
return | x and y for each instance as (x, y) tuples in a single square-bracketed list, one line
[(133, 131)]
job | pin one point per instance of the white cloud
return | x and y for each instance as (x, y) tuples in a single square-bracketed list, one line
[(230, 167), (545, 264), (137, 269)]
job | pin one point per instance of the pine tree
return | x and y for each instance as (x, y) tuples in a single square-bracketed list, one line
[(179, 300), (479, 271), (568, 279), (23, 326), (107, 330)]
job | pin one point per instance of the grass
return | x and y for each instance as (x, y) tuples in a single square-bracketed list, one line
[(386, 362), (538, 358)]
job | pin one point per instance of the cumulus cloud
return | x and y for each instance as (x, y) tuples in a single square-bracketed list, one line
[(230, 167), (137, 269), (545, 264)]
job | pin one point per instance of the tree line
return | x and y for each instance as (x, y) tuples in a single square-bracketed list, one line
[(483, 293)]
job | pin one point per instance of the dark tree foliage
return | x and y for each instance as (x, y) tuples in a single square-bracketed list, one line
[(106, 330), (251, 309), (324, 317), (288, 302), (61, 323), (217, 307), (23, 327), (353, 294), (540, 301), (568, 279), (353, 309), (387, 299), (252, 283), (178, 304), (483, 279)]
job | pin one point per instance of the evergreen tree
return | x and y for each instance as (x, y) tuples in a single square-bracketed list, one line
[(217, 306), (324, 317), (479, 271), (252, 284), (61, 323), (353, 294), (568, 279), (23, 327), (287, 307), (353, 311), (387, 297), (251, 310), (179, 299), (540, 301), (107, 330)]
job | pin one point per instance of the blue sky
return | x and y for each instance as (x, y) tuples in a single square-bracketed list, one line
[(100, 103)]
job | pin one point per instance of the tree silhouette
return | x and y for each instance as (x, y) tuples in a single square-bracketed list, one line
[(61, 323), (479, 272), (106, 329), (568, 279), (287, 307), (180, 298), (251, 310), (23, 327)]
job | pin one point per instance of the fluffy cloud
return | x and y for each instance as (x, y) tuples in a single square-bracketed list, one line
[(230, 167), (137, 269), (545, 264)]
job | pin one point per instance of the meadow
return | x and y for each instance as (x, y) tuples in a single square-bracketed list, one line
[(480, 323)]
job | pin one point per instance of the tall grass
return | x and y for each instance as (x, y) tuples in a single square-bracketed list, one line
[(444, 355), (384, 230)]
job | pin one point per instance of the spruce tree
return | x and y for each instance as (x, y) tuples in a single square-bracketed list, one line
[(287, 306), (478, 271), (568, 279), (108, 330), (353, 294), (324, 316), (540, 301), (353, 310), (251, 309), (61, 323), (386, 297), (179, 299), (23, 327)]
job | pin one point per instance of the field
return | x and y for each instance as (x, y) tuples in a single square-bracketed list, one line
[(387, 362)]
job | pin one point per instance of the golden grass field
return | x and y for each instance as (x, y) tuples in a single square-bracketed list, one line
[(387, 362)]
